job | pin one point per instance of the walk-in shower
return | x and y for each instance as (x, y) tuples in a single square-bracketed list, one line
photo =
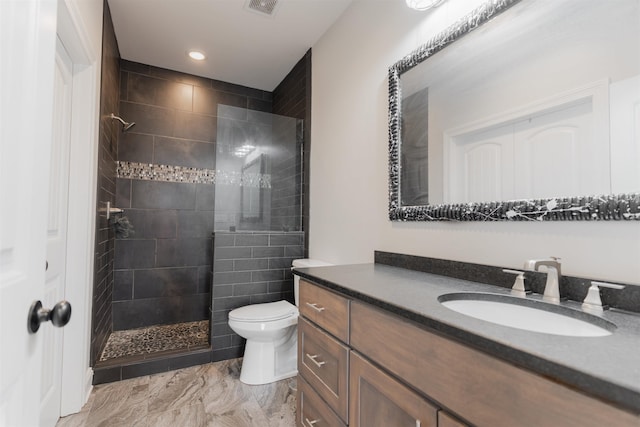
[(154, 306), (207, 238)]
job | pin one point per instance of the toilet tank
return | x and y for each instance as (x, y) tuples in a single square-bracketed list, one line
[(302, 263)]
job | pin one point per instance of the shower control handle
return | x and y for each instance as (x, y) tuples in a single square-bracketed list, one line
[(59, 315)]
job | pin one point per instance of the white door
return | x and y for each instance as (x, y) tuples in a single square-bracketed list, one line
[(27, 41), (625, 135), (541, 155), (557, 154), (481, 166), (56, 235)]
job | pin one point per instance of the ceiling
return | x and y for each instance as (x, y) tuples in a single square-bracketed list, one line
[(242, 46)]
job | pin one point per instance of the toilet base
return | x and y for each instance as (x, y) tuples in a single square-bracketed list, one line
[(265, 363)]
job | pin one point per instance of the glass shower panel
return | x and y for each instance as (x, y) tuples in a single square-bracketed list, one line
[(258, 171)]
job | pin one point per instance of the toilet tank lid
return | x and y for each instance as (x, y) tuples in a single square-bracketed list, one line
[(308, 262), (264, 312)]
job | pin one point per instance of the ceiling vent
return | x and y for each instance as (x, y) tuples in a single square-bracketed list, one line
[(263, 7)]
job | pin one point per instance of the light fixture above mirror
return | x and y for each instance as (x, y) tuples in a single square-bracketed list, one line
[(422, 5)]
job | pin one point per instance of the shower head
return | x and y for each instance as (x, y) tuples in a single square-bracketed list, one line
[(125, 125)]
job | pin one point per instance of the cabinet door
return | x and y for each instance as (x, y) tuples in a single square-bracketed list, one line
[(378, 400)]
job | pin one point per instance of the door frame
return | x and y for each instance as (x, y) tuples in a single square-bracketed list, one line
[(77, 375)]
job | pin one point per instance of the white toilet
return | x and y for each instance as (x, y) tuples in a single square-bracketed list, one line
[(272, 341)]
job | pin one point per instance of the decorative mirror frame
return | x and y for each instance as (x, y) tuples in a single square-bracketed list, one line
[(599, 207)]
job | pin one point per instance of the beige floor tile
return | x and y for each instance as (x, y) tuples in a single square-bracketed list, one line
[(199, 396), (246, 414), (175, 389), (191, 416)]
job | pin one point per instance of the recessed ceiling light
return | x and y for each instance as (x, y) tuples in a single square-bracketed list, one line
[(197, 55)]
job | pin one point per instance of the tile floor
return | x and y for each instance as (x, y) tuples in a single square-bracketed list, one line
[(208, 395), (153, 339)]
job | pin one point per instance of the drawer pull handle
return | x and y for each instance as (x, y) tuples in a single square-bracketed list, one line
[(313, 359), (310, 423), (315, 307)]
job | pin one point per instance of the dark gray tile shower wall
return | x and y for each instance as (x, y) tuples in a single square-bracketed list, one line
[(292, 98), (163, 273), (101, 318), (249, 268)]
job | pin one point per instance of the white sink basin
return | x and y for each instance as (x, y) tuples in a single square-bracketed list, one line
[(528, 315)]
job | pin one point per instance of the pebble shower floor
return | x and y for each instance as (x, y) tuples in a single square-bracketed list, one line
[(154, 339)]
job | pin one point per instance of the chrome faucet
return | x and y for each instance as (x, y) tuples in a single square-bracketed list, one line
[(552, 288)]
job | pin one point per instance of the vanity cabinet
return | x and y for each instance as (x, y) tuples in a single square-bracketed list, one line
[(384, 370), (478, 388), (337, 386), (323, 356)]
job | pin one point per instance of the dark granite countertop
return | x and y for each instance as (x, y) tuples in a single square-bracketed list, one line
[(604, 367)]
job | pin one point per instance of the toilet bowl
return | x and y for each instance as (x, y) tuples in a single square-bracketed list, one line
[(271, 350)]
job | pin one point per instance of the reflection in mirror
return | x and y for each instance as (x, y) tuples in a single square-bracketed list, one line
[(533, 107), (415, 155), (252, 196), (258, 171)]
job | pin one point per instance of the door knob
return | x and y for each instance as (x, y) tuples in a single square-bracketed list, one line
[(59, 315)]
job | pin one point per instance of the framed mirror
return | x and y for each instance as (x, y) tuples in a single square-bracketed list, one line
[(522, 110)]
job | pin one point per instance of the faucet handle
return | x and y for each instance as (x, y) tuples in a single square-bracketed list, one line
[(592, 301), (518, 288), (607, 285)]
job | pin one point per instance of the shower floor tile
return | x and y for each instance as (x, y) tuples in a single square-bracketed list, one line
[(154, 339)]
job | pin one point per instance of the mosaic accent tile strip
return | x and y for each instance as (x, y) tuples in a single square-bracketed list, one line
[(169, 173), (256, 180), (154, 339)]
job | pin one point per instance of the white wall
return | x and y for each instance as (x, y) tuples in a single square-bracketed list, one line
[(349, 188)]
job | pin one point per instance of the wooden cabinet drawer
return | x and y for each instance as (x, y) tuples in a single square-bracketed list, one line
[(378, 400), (326, 309), (323, 362), (312, 411), (446, 420), (481, 389)]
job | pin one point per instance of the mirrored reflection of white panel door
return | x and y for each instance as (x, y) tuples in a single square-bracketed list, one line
[(625, 135), (556, 155), (556, 151), (483, 174), (56, 236), (481, 166)]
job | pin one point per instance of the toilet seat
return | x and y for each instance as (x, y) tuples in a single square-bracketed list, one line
[(266, 312)]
